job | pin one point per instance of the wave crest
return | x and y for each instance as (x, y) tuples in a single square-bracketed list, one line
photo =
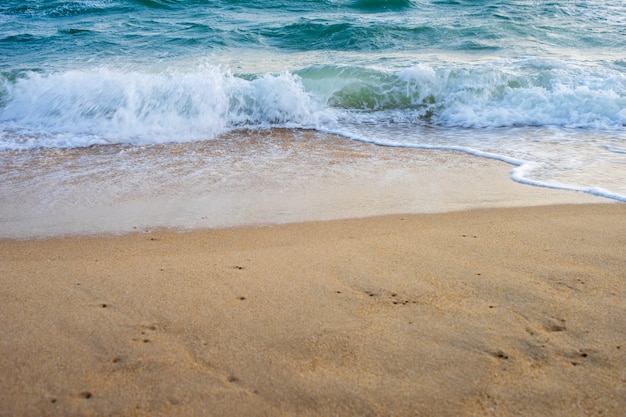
[(84, 107)]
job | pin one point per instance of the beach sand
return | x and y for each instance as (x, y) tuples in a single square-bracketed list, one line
[(480, 312), (248, 178)]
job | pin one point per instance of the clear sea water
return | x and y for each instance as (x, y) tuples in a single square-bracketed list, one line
[(539, 84)]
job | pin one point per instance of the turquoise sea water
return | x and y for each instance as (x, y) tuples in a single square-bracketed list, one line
[(540, 84)]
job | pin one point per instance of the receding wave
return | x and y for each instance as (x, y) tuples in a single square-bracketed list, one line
[(103, 105)]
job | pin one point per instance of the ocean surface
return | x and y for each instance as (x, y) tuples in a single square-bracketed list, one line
[(538, 84)]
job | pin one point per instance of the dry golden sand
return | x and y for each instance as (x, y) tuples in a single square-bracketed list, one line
[(504, 312)]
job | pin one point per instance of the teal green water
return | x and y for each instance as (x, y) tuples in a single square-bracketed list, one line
[(59, 32), (540, 84)]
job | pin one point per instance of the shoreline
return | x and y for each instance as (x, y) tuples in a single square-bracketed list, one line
[(335, 281), (505, 311), (253, 178)]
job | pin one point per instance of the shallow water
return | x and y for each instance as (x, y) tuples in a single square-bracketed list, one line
[(541, 85), (245, 178)]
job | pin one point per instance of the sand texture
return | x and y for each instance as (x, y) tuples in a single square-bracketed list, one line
[(503, 312)]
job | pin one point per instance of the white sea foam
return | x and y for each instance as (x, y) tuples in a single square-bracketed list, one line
[(542, 163), (578, 112), (85, 107), (104, 105)]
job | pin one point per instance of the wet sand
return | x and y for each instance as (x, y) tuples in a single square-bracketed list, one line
[(248, 178)]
